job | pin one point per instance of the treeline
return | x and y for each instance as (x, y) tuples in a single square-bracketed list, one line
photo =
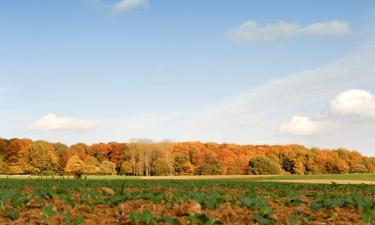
[(146, 158)]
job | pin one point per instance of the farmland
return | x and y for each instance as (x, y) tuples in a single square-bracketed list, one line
[(186, 201)]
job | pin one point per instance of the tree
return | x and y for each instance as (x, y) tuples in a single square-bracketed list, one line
[(293, 166), (108, 168), (335, 165), (41, 156), (370, 164), (182, 165), (91, 165), (80, 149), (3, 147), (262, 165), (126, 168), (63, 155), (100, 151), (212, 166), (3, 164), (161, 167), (75, 166), (117, 154), (17, 155)]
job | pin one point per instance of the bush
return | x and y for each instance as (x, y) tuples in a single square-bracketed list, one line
[(263, 166), (359, 168)]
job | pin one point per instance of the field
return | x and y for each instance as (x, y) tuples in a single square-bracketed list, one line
[(223, 200)]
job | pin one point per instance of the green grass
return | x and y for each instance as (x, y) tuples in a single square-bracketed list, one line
[(362, 177), (88, 177)]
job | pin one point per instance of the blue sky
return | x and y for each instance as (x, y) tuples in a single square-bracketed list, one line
[(188, 70)]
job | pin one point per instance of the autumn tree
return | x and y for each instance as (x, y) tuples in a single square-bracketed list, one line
[(370, 164), (117, 153), (108, 168), (212, 166), (42, 157), (81, 150), (126, 168), (3, 147), (161, 167), (182, 165), (335, 165), (145, 158), (75, 166), (91, 165), (262, 165), (17, 155), (100, 151), (63, 154), (3, 164)]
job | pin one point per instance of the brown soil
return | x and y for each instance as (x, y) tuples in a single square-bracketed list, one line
[(228, 214)]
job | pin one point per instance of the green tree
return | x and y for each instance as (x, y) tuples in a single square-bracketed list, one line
[(262, 165)]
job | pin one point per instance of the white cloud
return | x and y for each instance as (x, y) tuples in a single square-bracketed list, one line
[(329, 28), (51, 122), (301, 125), (354, 103), (250, 31), (128, 5), (350, 103)]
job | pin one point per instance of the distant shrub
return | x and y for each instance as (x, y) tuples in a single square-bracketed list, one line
[(263, 166), (358, 168)]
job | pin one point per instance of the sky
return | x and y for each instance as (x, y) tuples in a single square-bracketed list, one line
[(246, 72)]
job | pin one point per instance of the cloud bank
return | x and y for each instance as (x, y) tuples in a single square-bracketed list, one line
[(51, 122), (251, 31), (350, 105)]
